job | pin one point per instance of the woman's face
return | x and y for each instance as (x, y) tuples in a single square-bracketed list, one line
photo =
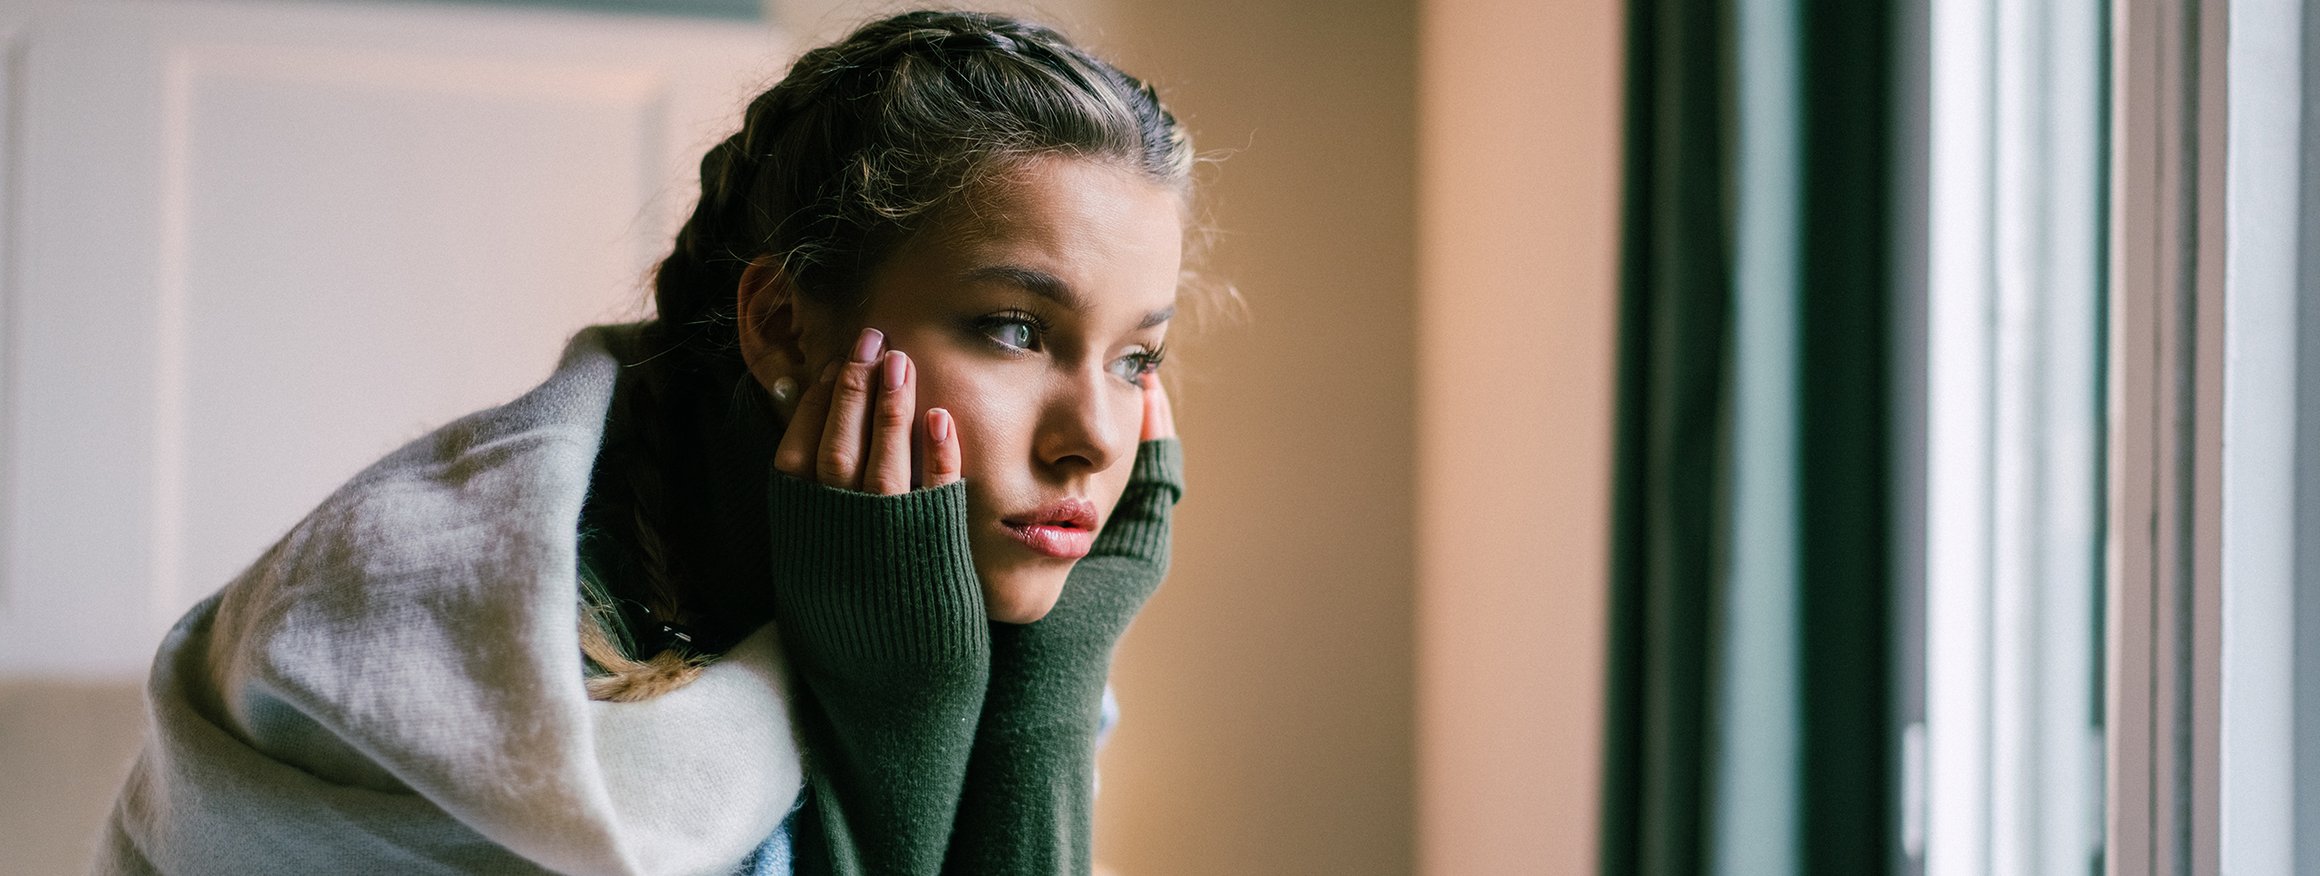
[(1031, 319)]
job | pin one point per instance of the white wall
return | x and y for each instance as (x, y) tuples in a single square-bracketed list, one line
[(256, 246)]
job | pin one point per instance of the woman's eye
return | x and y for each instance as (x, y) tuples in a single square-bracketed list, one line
[(1014, 333), (1134, 366)]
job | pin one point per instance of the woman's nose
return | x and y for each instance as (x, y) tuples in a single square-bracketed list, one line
[(1084, 426)]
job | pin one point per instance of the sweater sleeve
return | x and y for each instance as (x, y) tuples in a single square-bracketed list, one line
[(1028, 803), (883, 617)]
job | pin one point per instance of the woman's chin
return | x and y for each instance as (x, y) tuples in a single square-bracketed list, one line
[(1022, 597)]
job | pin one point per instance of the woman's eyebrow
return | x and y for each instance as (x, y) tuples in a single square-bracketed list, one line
[(1032, 280), (1052, 288)]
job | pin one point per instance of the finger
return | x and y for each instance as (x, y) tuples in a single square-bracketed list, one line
[(888, 469), (839, 464), (942, 449), (1159, 418), (803, 435)]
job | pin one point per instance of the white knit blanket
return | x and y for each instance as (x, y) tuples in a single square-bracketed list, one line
[(395, 687)]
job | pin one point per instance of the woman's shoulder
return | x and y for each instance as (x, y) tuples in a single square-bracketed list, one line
[(493, 493), (447, 560), (528, 438), (418, 634), (463, 539)]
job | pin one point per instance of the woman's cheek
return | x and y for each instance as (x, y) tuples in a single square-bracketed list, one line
[(986, 418)]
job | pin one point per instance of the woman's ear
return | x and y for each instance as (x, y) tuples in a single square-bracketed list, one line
[(770, 330)]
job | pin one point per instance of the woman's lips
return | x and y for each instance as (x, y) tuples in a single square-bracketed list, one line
[(1061, 542), (1064, 528)]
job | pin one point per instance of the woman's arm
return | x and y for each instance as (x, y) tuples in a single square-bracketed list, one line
[(877, 599), (1028, 802)]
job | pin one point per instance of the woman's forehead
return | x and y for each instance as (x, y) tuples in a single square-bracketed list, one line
[(1084, 234)]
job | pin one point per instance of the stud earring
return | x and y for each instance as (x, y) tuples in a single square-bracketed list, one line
[(784, 393)]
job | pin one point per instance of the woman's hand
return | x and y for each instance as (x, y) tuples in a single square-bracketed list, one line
[(856, 427), (880, 611), (1159, 420)]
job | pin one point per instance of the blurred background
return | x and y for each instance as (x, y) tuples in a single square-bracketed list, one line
[(1661, 436), (252, 246)]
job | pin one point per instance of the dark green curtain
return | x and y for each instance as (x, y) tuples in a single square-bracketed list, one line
[(1669, 495), (1673, 502), (1846, 474)]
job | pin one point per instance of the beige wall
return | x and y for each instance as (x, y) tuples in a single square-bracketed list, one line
[(1268, 688), (1518, 222), (1381, 650)]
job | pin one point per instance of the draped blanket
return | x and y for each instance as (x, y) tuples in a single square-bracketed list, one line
[(396, 686)]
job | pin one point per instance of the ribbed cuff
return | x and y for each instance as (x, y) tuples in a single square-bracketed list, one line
[(1139, 525), (1160, 461), (877, 579)]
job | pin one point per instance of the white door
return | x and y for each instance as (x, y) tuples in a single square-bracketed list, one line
[(251, 247)]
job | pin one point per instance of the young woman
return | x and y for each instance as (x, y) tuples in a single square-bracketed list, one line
[(819, 570)]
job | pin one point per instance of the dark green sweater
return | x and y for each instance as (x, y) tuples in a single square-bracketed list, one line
[(937, 740)]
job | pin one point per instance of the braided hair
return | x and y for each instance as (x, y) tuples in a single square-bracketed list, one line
[(866, 142)]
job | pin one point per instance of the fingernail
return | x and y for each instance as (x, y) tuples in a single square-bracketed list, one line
[(830, 372), (938, 424), (866, 349), (893, 370)]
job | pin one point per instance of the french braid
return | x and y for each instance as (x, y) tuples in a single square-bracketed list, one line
[(865, 142)]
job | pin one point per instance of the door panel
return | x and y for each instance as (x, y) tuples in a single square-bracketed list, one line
[(257, 246)]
